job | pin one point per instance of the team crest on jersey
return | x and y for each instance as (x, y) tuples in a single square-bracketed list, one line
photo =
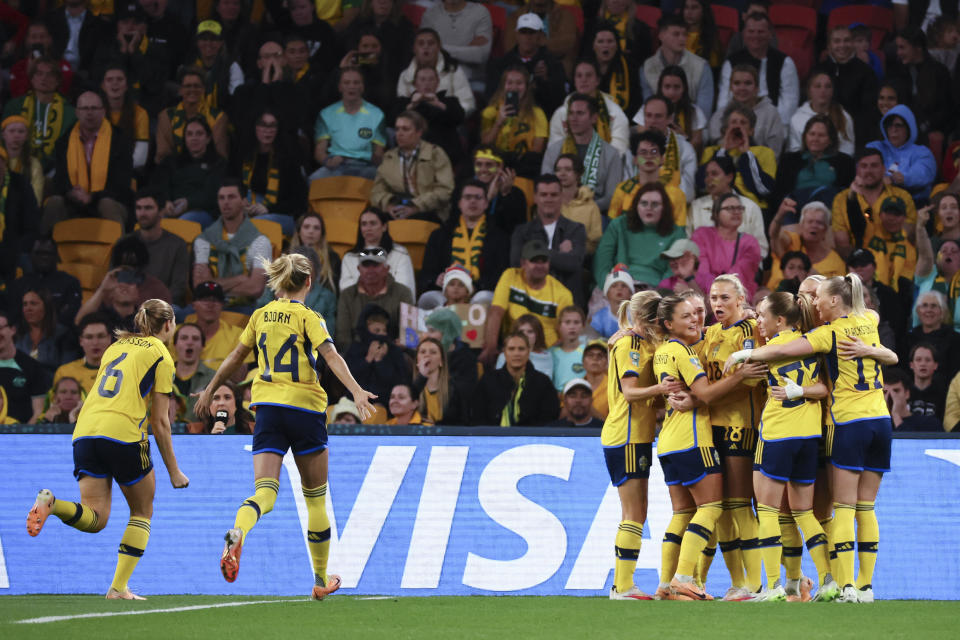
[(695, 362), (365, 132), (578, 368), (635, 358), (748, 343), (643, 463)]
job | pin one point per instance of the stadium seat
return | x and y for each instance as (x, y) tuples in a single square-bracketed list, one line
[(498, 15), (89, 275), (413, 235), (413, 12), (728, 23), (649, 16), (796, 29), (340, 196), (86, 240), (341, 234), (525, 185), (273, 231), (577, 15), (186, 229), (879, 19)]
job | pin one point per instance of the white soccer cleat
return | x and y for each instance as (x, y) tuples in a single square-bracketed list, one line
[(849, 594), (828, 592), (866, 594), (775, 594), (737, 594), (633, 593)]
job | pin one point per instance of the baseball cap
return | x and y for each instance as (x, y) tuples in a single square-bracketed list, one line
[(577, 382), (127, 10), (530, 21), (208, 289), (457, 272), (534, 249), (615, 276), (373, 254), (680, 247), (861, 258), (596, 344), (210, 28), (894, 204)]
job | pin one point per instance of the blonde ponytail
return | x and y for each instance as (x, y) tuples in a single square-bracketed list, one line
[(150, 319), (288, 273)]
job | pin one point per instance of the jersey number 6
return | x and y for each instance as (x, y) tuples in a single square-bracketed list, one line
[(112, 372)]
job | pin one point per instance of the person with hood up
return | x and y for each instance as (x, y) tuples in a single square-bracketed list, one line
[(375, 361), (909, 165)]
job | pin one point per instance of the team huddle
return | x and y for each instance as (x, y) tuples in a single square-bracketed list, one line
[(799, 425)]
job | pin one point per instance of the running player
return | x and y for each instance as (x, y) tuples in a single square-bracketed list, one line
[(787, 450), (860, 445), (110, 441), (291, 411), (628, 431), (734, 417), (691, 466)]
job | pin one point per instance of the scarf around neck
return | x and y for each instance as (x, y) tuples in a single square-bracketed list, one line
[(91, 177), (230, 257), (591, 159), (467, 248)]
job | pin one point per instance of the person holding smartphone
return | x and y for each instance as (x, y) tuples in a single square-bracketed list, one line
[(514, 124)]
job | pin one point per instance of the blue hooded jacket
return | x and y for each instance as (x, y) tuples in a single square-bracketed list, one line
[(914, 161)]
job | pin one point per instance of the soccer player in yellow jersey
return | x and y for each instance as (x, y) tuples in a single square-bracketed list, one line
[(691, 466), (110, 441), (628, 431), (734, 417), (787, 449), (291, 411), (862, 431)]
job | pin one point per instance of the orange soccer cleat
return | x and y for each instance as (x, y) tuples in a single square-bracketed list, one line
[(230, 560), (40, 512), (320, 592)]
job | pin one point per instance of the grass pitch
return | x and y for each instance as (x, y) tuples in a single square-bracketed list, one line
[(265, 618)]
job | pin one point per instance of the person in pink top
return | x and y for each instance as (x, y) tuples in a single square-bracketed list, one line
[(723, 249)]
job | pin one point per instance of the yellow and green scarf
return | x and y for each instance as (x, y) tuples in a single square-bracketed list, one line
[(620, 23), (466, 249), (269, 197), (511, 412), (93, 177), (47, 126), (619, 85), (603, 118), (591, 159), (670, 169), (178, 120)]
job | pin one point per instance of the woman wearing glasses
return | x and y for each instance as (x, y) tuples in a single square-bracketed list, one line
[(724, 249)]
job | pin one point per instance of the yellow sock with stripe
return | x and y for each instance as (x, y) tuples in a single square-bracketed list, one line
[(769, 543), (627, 548), (749, 549), (672, 539), (816, 541), (706, 560), (318, 531), (258, 505), (76, 515), (792, 547), (132, 545), (868, 539), (730, 546), (844, 538), (697, 535)]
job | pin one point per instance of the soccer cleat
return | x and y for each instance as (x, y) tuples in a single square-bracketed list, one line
[(737, 594), (39, 512), (633, 593), (689, 589), (230, 560), (320, 592), (113, 594), (866, 594), (827, 592), (667, 593), (849, 595), (775, 594)]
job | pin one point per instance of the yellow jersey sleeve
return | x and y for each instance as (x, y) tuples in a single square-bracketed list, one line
[(629, 422), (742, 406), (686, 430), (789, 419)]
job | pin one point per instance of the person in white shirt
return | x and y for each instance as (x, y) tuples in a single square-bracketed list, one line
[(612, 123), (719, 176), (821, 102), (428, 52), (466, 31)]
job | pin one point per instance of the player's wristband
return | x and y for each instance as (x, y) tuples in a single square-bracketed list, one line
[(741, 356)]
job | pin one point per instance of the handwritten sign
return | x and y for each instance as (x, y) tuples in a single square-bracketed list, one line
[(473, 317)]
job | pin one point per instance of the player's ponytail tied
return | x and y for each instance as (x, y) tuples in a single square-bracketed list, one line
[(857, 304), (149, 319), (288, 273), (808, 315), (623, 315)]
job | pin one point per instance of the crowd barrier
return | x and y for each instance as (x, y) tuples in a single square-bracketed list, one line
[(418, 515)]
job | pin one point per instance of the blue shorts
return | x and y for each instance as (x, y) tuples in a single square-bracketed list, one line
[(125, 462), (734, 441), (689, 467), (628, 462), (863, 445), (280, 428), (792, 460)]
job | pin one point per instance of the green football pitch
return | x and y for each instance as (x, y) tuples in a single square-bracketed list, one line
[(264, 618)]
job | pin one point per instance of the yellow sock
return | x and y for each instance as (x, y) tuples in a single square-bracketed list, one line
[(749, 551), (816, 541), (672, 539), (844, 537), (132, 545), (259, 504), (318, 531), (697, 535), (627, 548), (706, 559), (868, 539), (76, 515), (792, 547), (770, 545), (730, 547)]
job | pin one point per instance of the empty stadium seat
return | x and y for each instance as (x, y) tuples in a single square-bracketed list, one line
[(525, 185), (577, 15), (649, 16), (412, 234), (186, 229), (86, 240), (340, 196), (728, 23), (498, 16), (341, 234), (879, 19), (796, 29), (413, 12), (273, 231), (89, 275)]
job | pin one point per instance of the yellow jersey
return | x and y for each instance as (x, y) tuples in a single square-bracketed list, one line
[(791, 419), (685, 430), (629, 422), (116, 408), (285, 335), (80, 371), (857, 384), (740, 407), (517, 297)]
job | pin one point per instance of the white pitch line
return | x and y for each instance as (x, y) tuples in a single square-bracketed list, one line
[(109, 614)]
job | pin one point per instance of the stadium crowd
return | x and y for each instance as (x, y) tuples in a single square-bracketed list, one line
[(560, 157)]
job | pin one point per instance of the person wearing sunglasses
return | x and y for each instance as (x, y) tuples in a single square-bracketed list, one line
[(375, 285)]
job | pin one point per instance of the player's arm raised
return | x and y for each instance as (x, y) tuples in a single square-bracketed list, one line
[(227, 367)]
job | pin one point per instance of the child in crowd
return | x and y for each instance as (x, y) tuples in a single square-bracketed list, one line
[(568, 352), (617, 287)]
